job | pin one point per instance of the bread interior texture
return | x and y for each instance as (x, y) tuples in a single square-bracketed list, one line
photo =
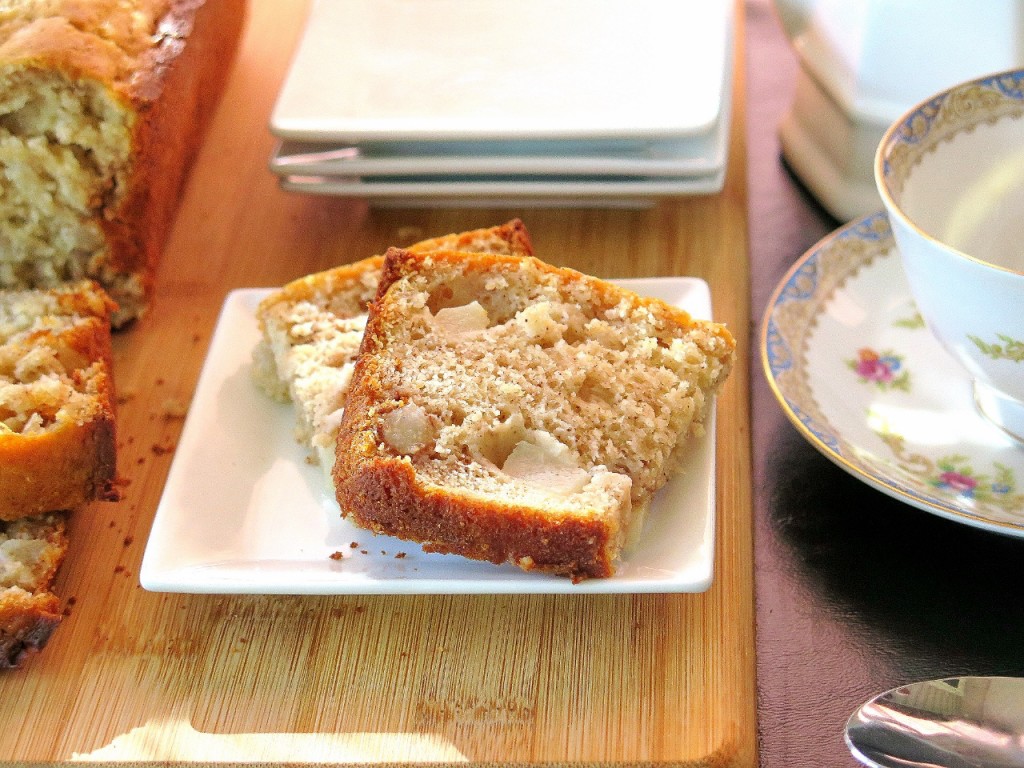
[(31, 550), (534, 391), (46, 377), (64, 157), (307, 349)]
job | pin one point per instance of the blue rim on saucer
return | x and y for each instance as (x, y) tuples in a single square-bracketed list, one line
[(856, 371)]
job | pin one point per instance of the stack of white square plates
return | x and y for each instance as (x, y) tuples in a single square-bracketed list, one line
[(480, 102)]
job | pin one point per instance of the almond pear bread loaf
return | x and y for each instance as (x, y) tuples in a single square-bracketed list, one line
[(31, 550), (57, 436), (507, 410), (102, 107), (312, 328)]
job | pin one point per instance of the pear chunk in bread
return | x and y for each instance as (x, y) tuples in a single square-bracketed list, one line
[(510, 411), (312, 327)]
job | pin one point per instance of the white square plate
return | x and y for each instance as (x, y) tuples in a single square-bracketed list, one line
[(399, 70), (242, 511), (699, 155)]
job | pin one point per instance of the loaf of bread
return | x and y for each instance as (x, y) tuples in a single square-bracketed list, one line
[(510, 411), (311, 331), (102, 107), (57, 431), (31, 551)]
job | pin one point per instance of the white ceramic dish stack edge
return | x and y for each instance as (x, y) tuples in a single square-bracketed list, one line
[(631, 103)]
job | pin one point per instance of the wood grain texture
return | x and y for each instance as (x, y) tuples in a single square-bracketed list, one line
[(586, 679)]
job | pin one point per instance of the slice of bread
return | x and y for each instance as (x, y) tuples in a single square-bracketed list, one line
[(510, 411), (57, 441), (312, 327), (31, 551)]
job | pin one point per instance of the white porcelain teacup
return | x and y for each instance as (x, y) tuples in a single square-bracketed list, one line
[(951, 175)]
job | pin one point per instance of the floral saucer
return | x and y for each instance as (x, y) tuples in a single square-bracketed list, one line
[(860, 376)]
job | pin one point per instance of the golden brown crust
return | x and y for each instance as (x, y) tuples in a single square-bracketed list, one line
[(513, 233), (61, 469), (384, 495), (174, 99)]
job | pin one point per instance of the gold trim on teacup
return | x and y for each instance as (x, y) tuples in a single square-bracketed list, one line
[(938, 119)]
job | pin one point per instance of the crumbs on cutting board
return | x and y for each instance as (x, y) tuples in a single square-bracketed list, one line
[(173, 408)]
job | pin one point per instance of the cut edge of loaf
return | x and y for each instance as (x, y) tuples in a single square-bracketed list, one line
[(389, 491), (32, 550), (98, 200), (57, 419)]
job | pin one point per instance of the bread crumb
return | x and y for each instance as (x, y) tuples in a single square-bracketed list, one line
[(125, 396), (336, 556), (160, 450), (399, 555), (174, 408), (354, 545)]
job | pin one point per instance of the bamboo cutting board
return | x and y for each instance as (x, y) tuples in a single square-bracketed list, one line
[(134, 675)]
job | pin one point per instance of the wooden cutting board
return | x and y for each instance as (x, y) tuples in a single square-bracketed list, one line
[(135, 675)]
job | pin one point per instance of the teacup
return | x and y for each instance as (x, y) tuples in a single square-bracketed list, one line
[(951, 175)]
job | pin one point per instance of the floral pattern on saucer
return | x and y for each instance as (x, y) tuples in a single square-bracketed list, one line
[(884, 369), (857, 372), (993, 490)]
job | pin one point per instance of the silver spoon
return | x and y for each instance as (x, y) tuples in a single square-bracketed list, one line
[(958, 722)]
